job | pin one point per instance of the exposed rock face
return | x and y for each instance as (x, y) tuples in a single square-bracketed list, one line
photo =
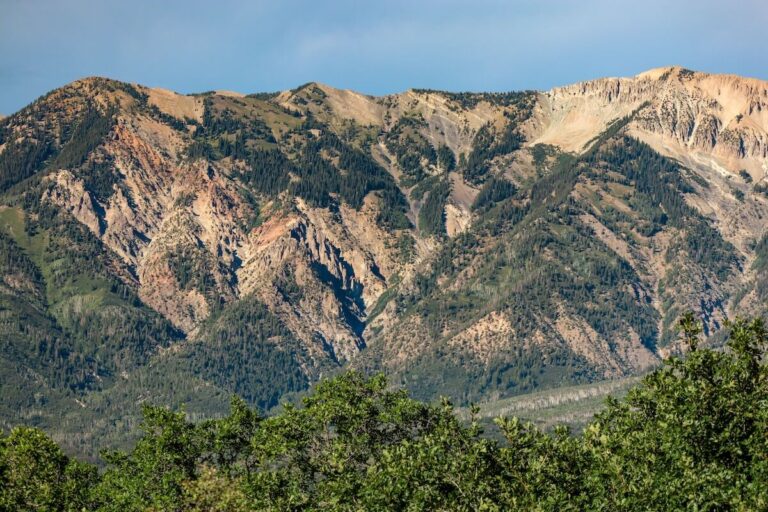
[(166, 207), (198, 232), (721, 116)]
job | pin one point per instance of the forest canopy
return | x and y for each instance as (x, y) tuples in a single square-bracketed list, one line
[(690, 436)]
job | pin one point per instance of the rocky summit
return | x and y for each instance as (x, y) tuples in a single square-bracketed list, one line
[(180, 249)]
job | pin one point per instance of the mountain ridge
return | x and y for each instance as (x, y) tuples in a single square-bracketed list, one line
[(180, 248)]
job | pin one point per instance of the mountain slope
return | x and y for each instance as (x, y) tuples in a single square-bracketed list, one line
[(175, 248)]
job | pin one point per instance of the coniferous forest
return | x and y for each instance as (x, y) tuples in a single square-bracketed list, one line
[(690, 436), (228, 287), (321, 300)]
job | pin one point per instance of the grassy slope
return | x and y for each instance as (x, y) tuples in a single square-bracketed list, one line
[(569, 405)]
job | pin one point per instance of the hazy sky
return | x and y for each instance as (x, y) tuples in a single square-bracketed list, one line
[(372, 46)]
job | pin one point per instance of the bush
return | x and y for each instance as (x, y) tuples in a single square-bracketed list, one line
[(690, 437)]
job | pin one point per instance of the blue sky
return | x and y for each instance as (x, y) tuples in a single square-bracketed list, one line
[(375, 47)]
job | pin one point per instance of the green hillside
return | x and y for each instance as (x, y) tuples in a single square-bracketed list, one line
[(689, 436), (180, 249)]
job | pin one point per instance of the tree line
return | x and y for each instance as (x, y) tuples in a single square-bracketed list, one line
[(690, 436)]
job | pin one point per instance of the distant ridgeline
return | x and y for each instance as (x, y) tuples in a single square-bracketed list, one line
[(180, 249), (690, 436)]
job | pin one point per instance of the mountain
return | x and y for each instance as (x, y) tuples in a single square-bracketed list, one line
[(167, 248)]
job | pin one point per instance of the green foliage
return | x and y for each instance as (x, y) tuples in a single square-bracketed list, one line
[(100, 178), (200, 149), (534, 255), (655, 176), (446, 160), (357, 175), (265, 96), (36, 475), (469, 100), (761, 255), (706, 247), (89, 132), (760, 267), (525, 273), (151, 476), (288, 287), (540, 154), (20, 159), (691, 436), (614, 129), (192, 268), (44, 135), (104, 317), (269, 172), (494, 191), (393, 207), (32, 344), (13, 259), (246, 350), (653, 190), (476, 166), (531, 255), (70, 321), (228, 130), (218, 121), (406, 247), (745, 176), (424, 186), (325, 169), (173, 122), (487, 145), (432, 213), (411, 148), (318, 455)]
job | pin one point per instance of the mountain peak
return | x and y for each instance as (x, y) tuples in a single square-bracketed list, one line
[(664, 73), (229, 94), (91, 84), (276, 236)]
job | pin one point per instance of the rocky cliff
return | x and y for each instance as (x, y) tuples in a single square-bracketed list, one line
[(475, 245)]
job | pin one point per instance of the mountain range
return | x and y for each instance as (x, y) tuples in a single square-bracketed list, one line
[(178, 249)]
